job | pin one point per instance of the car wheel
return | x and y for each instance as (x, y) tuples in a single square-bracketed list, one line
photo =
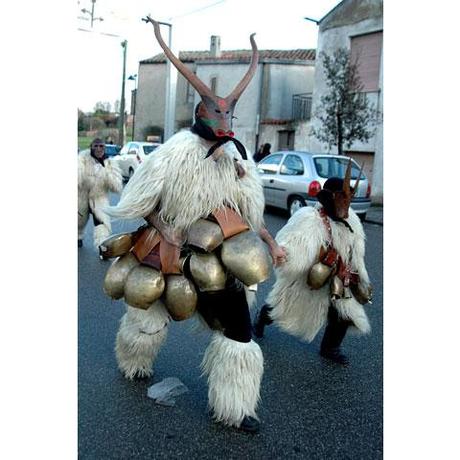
[(362, 217), (295, 203)]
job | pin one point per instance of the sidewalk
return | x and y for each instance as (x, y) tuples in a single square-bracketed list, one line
[(375, 215)]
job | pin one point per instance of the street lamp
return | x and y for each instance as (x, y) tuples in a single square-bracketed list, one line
[(121, 118), (133, 101)]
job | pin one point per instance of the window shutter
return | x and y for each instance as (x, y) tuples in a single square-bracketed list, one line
[(368, 50)]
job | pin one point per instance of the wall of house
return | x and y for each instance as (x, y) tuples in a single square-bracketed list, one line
[(335, 33), (285, 81), (151, 99), (270, 133), (272, 100), (228, 76)]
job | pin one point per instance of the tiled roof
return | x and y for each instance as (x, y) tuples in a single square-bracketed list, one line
[(239, 56)]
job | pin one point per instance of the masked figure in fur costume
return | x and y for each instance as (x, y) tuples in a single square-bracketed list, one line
[(97, 176), (325, 280), (198, 253)]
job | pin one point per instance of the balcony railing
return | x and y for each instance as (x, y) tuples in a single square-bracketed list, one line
[(301, 106)]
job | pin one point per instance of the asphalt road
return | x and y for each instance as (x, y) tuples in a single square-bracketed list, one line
[(309, 408)]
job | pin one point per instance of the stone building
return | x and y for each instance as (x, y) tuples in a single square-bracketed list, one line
[(358, 26), (274, 108)]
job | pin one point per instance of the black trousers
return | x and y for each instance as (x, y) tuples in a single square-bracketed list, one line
[(227, 310), (335, 331)]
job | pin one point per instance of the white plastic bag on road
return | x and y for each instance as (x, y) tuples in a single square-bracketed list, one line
[(164, 392)]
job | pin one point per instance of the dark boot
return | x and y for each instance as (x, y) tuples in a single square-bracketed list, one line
[(263, 319), (333, 336), (250, 425)]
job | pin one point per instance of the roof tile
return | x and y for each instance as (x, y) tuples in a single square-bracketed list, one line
[(239, 55)]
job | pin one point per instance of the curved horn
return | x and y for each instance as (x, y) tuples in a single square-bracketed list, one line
[(202, 89), (236, 93), (346, 180), (355, 188)]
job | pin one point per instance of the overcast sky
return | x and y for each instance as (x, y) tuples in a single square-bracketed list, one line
[(194, 21)]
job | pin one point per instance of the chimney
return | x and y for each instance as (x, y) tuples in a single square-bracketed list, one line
[(215, 46)]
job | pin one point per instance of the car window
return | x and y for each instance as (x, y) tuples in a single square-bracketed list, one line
[(111, 150), (335, 167), (270, 164), (133, 148), (149, 148), (292, 166)]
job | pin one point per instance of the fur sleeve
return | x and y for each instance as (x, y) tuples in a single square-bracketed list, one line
[(252, 201), (302, 237), (143, 191), (113, 176), (359, 247), (81, 172)]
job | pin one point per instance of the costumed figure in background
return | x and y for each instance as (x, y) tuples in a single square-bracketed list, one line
[(199, 252), (325, 280), (97, 176)]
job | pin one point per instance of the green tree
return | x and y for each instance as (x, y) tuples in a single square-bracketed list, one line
[(344, 111)]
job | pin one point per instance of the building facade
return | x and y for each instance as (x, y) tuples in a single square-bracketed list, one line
[(275, 108), (356, 25)]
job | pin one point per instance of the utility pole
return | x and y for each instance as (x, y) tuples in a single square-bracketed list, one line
[(91, 13), (121, 118), (171, 82), (133, 101)]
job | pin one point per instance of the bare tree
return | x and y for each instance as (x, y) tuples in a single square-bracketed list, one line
[(344, 111), (102, 107)]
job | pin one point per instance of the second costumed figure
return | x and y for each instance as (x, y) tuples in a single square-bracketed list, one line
[(200, 250)]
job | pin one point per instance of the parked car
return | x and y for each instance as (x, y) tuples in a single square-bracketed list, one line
[(132, 155), (292, 179)]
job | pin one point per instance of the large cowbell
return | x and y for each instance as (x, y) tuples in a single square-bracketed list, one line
[(247, 257)]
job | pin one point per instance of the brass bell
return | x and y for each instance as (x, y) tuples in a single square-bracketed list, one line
[(115, 278), (318, 275), (205, 235), (143, 286), (363, 294), (247, 257), (207, 272), (346, 293), (116, 245), (180, 297), (336, 287)]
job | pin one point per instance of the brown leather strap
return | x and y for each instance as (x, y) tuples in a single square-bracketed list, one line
[(145, 244), (169, 256), (230, 222)]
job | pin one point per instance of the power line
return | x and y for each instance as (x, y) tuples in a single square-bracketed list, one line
[(199, 9)]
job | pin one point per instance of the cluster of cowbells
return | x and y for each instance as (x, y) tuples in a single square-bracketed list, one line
[(324, 271), (243, 255)]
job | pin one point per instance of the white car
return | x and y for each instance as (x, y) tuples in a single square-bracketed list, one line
[(132, 155)]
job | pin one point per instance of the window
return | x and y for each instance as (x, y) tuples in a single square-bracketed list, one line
[(213, 84), (149, 148), (335, 167), (189, 94), (286, 140), (292, 166), (270, 164), (367, 50), (132, 149)]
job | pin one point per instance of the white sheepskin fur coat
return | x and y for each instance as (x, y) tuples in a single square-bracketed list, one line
[(297, 309), (186, 186), (94, 184)]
